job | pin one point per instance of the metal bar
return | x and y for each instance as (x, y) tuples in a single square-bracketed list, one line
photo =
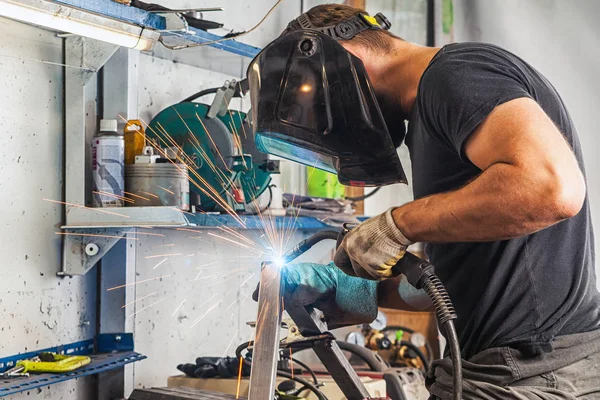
[(266, 344), (330, 354)]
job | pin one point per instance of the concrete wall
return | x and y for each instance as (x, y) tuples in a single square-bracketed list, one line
[(165, 331), (561, 39), (37, 309)]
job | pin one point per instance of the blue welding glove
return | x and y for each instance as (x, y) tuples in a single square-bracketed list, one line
[(344, 300)]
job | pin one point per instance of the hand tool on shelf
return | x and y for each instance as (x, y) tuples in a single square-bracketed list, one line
[(47, 363)]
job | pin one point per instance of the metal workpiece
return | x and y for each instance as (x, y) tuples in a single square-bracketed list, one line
[(266, 343)]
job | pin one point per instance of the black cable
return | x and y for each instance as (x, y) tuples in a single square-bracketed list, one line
[(372, 359), (240, 88), (268, 204), (310, 386), (199, 94), (303, 365), (418, 352), (398, 328), (364, 196), (456, 359)]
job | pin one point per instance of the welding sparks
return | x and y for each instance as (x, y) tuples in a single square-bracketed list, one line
[(163, 255), (291, 363), (180, 210), (230, 343), (145, 308), (147, 234), (247, 279), (87, 208), (157, 265), (178, 307), (187, 229), (149, 194), (207, 265), (102, 193), (200, 318), (135, 283), (141, 298), (166, 190), (94, 235), (136, 195), (237, 391), (227, 239)]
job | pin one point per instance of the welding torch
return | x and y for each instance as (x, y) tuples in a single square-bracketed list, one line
[(420, 274)]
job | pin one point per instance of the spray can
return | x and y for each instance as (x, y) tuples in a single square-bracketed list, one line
[(108, 155)]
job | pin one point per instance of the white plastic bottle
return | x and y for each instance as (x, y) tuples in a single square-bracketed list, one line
[(108, 158)]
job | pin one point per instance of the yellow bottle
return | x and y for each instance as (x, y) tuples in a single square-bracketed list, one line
[(135, 140)]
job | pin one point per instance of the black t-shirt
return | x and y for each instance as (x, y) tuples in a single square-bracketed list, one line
[(520, 292)]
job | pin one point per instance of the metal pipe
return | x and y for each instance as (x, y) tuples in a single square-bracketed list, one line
[(263, 373)]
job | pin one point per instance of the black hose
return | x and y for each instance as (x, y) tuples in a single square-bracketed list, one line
[(306, 244), (364, 196), (240, 88), (456, 359), (200, 94), (310, 386), (445, 315), (372, 359), (419, 353)]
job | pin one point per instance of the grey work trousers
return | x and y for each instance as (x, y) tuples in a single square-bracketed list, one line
[(570, 371)]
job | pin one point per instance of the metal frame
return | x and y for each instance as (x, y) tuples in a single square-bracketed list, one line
[(330, 354), (265, 348)]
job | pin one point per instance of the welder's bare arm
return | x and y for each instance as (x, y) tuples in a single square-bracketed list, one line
[(530, 180)]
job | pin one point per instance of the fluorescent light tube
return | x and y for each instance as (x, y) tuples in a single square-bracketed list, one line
[(72, 20)]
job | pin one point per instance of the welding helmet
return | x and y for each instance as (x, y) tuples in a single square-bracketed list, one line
[(312, 102)]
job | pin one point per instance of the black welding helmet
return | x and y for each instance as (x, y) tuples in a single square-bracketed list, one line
[(312, 102)]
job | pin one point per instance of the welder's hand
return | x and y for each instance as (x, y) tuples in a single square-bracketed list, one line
[(343, 299), (372, 248)]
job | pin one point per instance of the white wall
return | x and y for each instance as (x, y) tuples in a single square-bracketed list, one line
[(37, 309), (561, 39)]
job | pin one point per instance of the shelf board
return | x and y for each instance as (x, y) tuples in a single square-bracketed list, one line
[(155, 21), (171, 217), (100, 363)]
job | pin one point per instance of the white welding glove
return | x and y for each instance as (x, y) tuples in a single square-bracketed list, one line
[(372, 248)]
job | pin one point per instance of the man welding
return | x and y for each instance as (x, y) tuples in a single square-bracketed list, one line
[(499, 183)]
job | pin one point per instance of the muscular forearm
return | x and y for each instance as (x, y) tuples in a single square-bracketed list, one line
[(502, 203)]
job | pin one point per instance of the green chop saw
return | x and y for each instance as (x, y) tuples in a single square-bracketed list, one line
[(219, 147)]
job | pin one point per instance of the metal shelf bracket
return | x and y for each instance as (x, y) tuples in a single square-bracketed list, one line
[(81, 251)]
